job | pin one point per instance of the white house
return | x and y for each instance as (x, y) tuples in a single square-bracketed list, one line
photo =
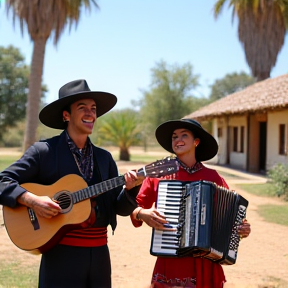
[(251, 126)]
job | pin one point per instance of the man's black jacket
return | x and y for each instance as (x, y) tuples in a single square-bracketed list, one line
[(47, 161)]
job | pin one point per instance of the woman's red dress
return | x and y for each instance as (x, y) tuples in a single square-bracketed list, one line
[(184, 271)]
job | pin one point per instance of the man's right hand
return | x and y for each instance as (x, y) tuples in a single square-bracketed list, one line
[(43, 206)]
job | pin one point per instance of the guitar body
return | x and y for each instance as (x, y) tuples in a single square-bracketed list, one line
[(48, 232)]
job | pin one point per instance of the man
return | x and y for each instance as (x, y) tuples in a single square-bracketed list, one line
[(81, 258)]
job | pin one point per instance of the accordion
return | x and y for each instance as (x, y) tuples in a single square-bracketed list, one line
[(205, 217)]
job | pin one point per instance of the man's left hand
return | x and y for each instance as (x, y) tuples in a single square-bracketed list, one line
[(132, 180)]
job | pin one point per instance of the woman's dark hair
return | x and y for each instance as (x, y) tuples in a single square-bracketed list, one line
[(194, 134)]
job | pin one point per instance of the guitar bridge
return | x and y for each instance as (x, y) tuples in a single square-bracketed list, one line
[(33, 218)]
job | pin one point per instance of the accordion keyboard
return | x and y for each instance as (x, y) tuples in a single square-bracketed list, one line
[(205, 217), (168, 203)]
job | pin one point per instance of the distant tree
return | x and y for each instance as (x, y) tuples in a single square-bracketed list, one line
[(43, 18), (120, 128), (170, 95), (229, 84), (14, 75), (196, 103), (261, 30)]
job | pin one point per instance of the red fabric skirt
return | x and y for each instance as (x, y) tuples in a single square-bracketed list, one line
[(187, 272)]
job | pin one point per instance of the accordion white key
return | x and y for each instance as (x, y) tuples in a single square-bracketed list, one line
[(206, 217)]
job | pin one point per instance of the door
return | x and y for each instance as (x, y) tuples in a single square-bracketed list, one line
[(262, 146)]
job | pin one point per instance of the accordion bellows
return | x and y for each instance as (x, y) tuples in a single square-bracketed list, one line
[(205, 217)]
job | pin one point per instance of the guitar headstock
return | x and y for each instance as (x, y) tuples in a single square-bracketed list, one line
[(166, 166)]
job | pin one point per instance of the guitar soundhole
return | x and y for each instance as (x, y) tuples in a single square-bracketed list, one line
[(64, 200)]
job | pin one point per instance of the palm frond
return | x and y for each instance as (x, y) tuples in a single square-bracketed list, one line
[(45, 18), (120, 128), (218, 7)]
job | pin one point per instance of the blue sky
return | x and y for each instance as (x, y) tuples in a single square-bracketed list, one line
[(115, 47)]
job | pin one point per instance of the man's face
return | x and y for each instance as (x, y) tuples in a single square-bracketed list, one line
[(82, 117)]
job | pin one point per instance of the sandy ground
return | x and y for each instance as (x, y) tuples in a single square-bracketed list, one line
[(262, 260)]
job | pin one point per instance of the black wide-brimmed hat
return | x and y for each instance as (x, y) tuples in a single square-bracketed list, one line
[(51, 115), (207, 147)]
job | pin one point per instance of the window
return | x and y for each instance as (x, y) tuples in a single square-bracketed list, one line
[(219, 132), (242, 130), (235, 138), (282, 139)]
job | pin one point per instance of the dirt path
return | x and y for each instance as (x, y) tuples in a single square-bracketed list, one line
[(262, 261)]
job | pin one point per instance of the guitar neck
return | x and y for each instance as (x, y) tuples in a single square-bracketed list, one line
[(155, 169), (97, 189)]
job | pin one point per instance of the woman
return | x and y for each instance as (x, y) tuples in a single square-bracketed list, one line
[(191, 144)]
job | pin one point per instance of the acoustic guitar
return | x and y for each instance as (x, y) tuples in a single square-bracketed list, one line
[(38, 234)]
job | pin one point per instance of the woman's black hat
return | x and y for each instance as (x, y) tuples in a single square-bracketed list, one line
[(207, 147)]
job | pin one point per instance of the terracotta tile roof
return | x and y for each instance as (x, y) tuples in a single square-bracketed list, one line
[(266, 95)]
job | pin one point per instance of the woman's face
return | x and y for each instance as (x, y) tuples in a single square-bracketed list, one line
[(183, 142)]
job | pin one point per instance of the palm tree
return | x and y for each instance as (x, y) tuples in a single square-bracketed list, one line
[(261, 30), (120, 128), (42, 18)]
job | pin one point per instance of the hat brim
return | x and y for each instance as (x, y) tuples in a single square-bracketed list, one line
[(51, 115), (207, 148)]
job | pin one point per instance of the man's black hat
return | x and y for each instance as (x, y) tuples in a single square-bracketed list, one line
[(51, 115)]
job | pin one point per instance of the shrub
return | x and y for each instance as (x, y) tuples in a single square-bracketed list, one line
[(278, 176)]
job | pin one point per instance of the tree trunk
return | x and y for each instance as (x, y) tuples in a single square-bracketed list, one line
[(262, 76), (34, 95), (124, 154), (262, 36)]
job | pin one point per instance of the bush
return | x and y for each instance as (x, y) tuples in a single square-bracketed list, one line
[(278, 176)]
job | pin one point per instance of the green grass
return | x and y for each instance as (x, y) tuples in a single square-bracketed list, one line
[(145, 158), (271, 213), (274, 213), (141, 157), (226, 175), (265, 189), (15, 275), (7, 160)]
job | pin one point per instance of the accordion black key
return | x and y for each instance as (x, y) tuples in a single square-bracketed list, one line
[(205, 217)]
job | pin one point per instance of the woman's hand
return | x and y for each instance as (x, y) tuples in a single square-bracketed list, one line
[(153, 218), (244, 229)]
